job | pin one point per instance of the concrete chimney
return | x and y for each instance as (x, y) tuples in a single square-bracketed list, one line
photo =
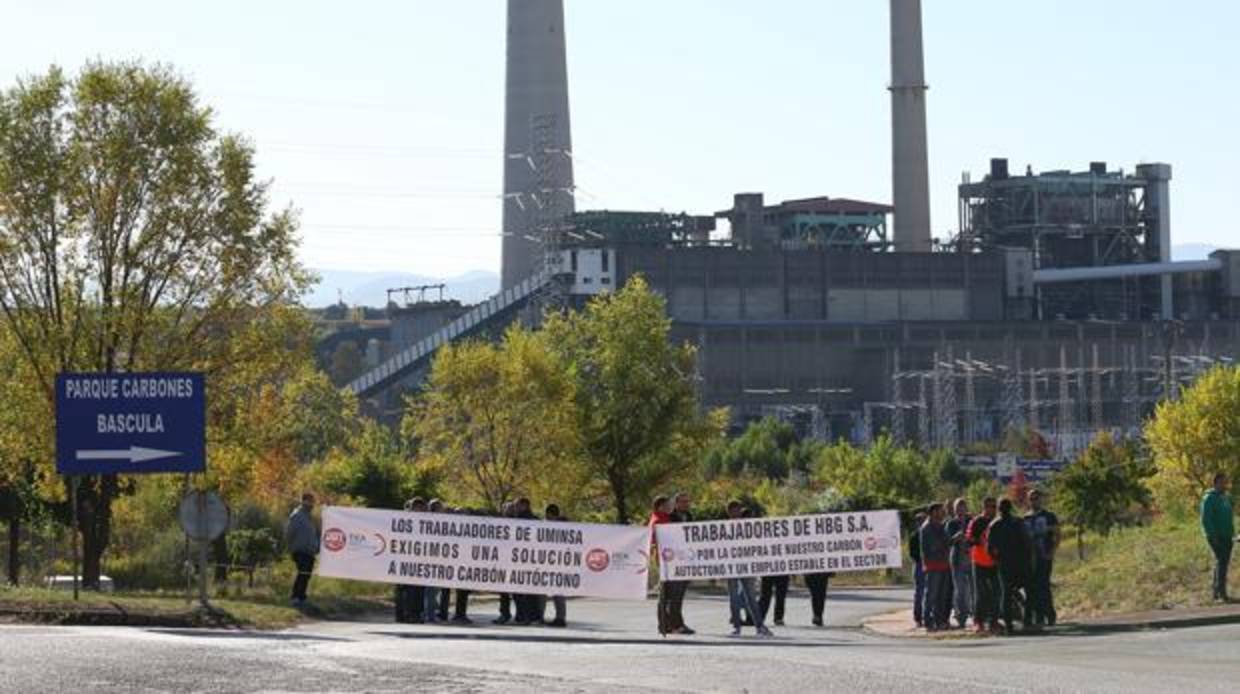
[(909, 160), (538, 170)]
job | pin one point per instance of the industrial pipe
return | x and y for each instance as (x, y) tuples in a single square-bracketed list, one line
[(1107, 272)]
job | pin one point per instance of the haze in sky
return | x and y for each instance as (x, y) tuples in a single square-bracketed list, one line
[(382, 121)]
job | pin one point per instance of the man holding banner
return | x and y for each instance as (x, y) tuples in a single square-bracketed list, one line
[(500, 555), (750, 547)]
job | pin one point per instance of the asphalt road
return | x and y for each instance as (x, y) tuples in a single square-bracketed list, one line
[(612, 647)]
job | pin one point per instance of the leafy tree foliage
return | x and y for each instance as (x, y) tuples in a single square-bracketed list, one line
[(768, 448), (637, 411), (885, 476), (1100, 488), (497, 421), (372, 470), (133, 237), (1196, 436)]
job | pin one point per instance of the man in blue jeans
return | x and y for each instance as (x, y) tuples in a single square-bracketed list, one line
[(919, 574), (742, 591), (936, 610)]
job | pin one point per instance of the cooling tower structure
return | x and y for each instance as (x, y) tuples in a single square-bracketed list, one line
[(538, 169), (909, 160)]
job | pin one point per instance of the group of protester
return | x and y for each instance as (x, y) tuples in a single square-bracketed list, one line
[(748, 600), (428, 605), (992, 568)]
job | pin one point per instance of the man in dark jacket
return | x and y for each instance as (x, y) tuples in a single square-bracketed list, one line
[(552, 513), (934, 562), (1218, 524), (1009, 546), (302, 538), (673, 592), (1042, 526), (817, 584), (985, 574), (919, 576), (529, 607)]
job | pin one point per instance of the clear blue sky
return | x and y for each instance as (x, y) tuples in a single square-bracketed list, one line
[(382, 122)]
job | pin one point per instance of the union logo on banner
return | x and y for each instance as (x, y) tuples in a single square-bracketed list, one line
[(334, 539), (597, 560)]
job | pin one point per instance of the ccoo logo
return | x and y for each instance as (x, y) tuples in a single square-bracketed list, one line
[(597, 560), (334, 539)]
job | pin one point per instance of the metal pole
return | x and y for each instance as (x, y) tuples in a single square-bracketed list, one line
[(189, 591), (77, 557), (202, 548)]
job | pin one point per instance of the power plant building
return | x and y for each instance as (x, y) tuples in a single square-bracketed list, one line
[(1056, 306)]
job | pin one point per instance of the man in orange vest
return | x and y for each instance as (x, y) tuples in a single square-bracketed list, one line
[(985, 573)]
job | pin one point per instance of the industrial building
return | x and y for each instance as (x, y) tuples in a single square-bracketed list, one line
[(1056, 305)]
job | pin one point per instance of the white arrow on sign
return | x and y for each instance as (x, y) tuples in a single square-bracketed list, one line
[(134, 454)]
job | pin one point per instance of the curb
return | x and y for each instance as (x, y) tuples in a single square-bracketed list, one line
[(1109, 626)]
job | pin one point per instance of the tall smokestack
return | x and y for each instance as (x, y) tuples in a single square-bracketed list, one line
[(909, 160), (538, 170)]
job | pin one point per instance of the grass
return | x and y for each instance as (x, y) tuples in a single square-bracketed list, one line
[(255, 611), (1162, 566)]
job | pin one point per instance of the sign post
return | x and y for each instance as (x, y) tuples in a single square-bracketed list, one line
[(204, 516), (77, 556), (131, 423)]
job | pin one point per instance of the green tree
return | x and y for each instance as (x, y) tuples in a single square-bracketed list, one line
[(767, 447), (1102, 486), (1194, 437), (497, 420), (133, 237), (371, 471), (24, 439), (637, 413), (885, 476), (346, 362)]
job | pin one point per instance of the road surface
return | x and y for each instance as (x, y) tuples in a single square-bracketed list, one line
[(612, 647)]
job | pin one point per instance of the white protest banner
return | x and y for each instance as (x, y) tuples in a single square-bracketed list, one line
[(502, 555), (742, 547)]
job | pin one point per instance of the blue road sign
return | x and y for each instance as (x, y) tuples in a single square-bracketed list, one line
[(130, 423)]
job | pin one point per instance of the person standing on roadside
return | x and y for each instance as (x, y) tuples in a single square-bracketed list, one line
[(817, 584), (741, 590), (935, 551), (660, 513), (1218, 524), (961, 561), (919, 575), (302, 538), (675, 615), (985, 574), (408, 596), (1043, 529), (505, 599), (1007, 543), (529, 606), (552, 513)]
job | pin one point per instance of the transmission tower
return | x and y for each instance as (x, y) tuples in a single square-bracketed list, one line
[(970, 400), (1132, 391), (1013, 398), (923, 411), (897, 402), (1064, 426), (945, 409), (1095, 395)]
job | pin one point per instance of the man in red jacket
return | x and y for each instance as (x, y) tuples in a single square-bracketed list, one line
[(985, 573)]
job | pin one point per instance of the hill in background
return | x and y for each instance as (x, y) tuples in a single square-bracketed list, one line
[(359, 288)]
